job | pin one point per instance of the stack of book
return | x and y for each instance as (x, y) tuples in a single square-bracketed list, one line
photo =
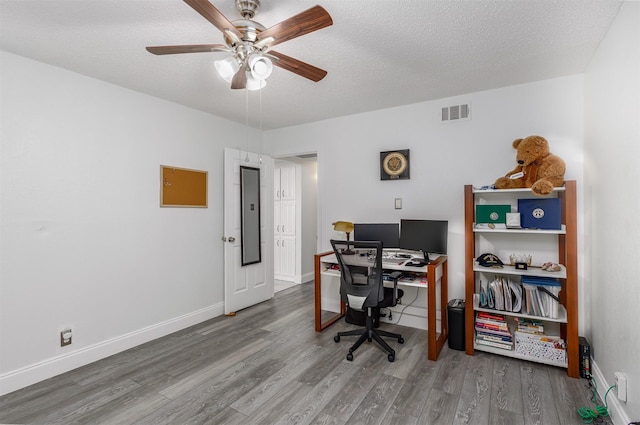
[(529, 326), (492, 330)]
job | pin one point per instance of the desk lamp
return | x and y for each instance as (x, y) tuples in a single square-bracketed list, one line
[(347, 227)]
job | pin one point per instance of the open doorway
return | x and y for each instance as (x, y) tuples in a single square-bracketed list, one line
[(295, 219)]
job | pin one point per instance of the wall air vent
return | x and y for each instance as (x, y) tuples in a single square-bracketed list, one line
[(308, 155), (456, 113)]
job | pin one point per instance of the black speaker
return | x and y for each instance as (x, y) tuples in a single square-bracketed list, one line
[(585, 357), (455, 320)]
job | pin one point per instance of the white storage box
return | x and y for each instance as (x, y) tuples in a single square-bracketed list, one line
[(548, 348)]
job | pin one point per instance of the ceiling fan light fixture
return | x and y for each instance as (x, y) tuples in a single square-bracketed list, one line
[(260, 66), (227, 68), (253, 83)]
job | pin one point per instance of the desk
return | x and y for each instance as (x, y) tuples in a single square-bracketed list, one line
[(436, 273)]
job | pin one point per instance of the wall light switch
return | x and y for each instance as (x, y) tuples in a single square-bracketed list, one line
[(398, 203)]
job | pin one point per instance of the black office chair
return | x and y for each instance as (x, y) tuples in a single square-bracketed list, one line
[(362, 289)]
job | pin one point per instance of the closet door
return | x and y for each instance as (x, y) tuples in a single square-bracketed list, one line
[(288, 257), (288, 183), (285, 222), (288, 239), (276, 185), (277, 240)]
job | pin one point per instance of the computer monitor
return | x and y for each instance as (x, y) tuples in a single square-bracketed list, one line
[(427, 236), (387, 233)]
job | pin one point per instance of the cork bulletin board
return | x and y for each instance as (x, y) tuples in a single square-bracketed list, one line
[(182, 187)]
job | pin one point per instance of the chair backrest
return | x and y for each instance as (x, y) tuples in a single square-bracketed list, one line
[(360, 262)]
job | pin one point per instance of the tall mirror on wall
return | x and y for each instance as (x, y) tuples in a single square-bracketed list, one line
[(250, 210)]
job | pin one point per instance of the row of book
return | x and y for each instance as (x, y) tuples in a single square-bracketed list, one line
[(530, 326), (528, 337), (536, 296), (492, 330)]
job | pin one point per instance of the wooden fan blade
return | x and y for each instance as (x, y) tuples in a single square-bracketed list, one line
[(303, 23), (298, 67), (240, 79), (213, 15), (187, 48)]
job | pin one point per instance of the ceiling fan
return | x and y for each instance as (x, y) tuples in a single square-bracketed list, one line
[(250, 43)]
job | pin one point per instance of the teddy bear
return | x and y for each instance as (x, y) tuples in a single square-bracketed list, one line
[(537, 168)]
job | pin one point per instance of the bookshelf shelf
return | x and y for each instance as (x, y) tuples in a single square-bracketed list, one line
[(476, 190), (511, 270), (560, 231), (560, 244), (512, 353)]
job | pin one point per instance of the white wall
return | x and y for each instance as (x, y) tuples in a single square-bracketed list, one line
[(84, 242), (444, 157), (309, 205), (612, 207)]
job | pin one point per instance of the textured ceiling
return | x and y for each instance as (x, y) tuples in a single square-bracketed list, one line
[(378, 53)]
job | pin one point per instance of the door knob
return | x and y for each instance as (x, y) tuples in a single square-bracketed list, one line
[(231, 239)]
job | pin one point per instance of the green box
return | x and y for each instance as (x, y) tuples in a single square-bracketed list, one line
[(492, 213)]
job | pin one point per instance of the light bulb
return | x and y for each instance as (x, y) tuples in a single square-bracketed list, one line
[(260, 66), (227, 68), (254, 84)]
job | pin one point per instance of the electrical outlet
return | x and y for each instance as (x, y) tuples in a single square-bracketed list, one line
[(621, 386), (65, 337)]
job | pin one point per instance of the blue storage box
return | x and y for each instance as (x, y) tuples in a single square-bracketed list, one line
[(543, 213), (538, 280)]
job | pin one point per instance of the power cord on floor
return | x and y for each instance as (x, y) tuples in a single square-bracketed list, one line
[(401, 311), (587, 414)]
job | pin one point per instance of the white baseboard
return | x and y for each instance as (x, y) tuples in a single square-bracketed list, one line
[(615, 406), (307, 277), (23, 377)]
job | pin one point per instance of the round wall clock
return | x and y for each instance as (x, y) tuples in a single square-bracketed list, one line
[(394, 165)]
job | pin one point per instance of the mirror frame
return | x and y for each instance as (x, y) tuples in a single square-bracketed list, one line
[(250, 226)]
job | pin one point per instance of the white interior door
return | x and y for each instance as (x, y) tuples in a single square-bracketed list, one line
[(247, 285)]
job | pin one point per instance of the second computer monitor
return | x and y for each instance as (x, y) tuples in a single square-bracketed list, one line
[(428, 236), (387, 233)]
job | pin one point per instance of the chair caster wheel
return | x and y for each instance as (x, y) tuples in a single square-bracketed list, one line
[(391, 357), (336, 338), (350, 357), (401, 340)]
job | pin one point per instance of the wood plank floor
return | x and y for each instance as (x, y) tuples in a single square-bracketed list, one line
[(267, 365)]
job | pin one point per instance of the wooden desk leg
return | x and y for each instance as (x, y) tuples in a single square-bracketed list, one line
[(317, 284), (436, 344), (320, 326), (444, 300), (432, 353)]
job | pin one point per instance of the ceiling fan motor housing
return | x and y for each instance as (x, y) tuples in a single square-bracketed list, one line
[(249, 29), (247, 8)]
